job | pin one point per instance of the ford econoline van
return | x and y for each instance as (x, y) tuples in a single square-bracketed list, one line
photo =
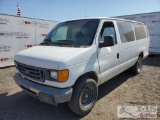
[(79, 55)]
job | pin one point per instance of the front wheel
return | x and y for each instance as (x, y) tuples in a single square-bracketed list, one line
[(84, 96), (138, 66)]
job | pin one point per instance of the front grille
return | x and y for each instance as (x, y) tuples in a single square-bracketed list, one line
[(31, 72)]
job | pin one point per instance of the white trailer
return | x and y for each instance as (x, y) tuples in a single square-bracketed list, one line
[(152, 20), (19, 33)]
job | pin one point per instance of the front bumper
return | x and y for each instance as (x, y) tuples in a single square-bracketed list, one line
[(44, 93)]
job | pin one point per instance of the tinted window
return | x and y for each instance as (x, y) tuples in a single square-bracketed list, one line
[(78, 33), (60, 34), (139, 31), (108, 30), (126, 31)]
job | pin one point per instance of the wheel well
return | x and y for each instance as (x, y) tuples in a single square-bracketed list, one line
[(91, 74), (141, 54)]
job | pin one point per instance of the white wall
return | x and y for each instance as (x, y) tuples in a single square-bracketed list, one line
[(152, 20), (17, 33)]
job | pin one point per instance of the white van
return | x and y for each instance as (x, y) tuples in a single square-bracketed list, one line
[(79, 55)]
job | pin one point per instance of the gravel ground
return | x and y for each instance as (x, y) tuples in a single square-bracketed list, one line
[(124, 89)]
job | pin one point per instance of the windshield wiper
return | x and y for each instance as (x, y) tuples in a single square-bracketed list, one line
[(58, 43), (74, 45), (68, 43), (45, 43), (66, 40), (52, 43)]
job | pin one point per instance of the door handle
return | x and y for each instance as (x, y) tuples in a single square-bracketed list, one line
[(117, 55)]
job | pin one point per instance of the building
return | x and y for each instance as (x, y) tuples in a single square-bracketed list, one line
[(19, 33), (152, 20)]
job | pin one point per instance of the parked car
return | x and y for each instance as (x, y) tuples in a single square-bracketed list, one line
[(79, 55)]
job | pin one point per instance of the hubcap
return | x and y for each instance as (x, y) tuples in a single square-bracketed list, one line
[(87, 96)]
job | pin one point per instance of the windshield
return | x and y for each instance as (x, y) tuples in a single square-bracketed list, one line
[(73, 33)]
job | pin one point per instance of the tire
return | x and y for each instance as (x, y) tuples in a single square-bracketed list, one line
[(85, 93), (138, 66)]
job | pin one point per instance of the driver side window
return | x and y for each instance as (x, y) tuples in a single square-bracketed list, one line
[(108, 30)]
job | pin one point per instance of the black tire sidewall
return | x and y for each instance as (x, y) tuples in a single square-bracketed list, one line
[(137, 65), (134, 68), (75, 102), (92, 84)]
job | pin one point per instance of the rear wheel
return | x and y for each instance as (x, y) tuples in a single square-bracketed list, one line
[(84, 96), (138, 66)]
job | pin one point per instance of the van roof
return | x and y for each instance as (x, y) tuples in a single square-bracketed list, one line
[(107, 18)]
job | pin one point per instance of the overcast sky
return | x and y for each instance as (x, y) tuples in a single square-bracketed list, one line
[(61, 10)]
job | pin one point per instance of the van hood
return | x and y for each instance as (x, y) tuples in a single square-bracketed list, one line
[(45, 56)]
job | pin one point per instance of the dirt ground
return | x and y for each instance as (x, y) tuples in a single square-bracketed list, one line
[(124, 89)]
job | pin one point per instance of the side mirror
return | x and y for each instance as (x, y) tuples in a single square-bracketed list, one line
[(108, 41)]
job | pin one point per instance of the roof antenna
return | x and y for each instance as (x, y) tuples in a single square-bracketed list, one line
[(85, 13)]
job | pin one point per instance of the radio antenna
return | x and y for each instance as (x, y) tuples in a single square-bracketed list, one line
[(85, 12)]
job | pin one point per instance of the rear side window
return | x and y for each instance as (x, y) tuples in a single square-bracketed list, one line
[(139, 31), (126, 31)]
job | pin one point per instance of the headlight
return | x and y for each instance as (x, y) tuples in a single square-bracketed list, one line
[(60, 75), (53, 74)]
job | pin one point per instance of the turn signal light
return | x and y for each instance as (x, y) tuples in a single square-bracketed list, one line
[(63, 75)]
